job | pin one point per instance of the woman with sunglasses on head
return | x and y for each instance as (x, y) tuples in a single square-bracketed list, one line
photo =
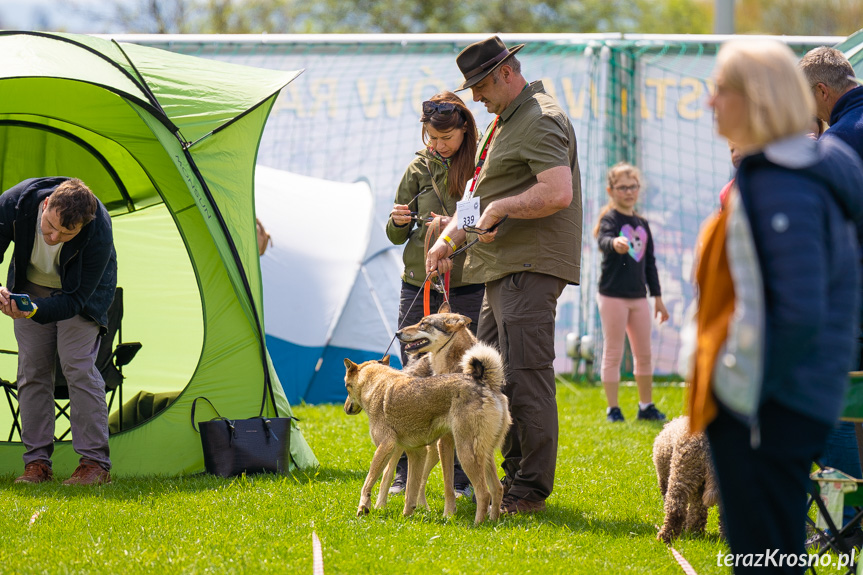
[(424, 203)]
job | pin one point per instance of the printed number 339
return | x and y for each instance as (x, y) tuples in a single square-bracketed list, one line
[(468, 212)]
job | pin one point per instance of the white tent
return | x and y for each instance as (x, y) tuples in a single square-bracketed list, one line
[(330, 280)]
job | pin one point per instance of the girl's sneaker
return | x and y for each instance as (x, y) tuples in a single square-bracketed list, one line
[(650, 413), (614, 415)]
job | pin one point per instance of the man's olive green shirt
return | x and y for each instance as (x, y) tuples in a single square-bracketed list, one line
[(533, 135)]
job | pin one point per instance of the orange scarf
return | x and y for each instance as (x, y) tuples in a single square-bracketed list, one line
[(715, 308)]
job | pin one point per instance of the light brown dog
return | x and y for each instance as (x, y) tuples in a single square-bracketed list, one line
[(465, 410), (437, 345), (686, 479), (442, 339)]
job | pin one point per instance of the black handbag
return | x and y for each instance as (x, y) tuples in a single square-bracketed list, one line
[(236, 446), (257, 445)]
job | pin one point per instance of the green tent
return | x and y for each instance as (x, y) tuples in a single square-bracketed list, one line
[(168, 143)]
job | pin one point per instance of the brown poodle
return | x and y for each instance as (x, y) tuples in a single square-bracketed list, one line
[(686, 479)]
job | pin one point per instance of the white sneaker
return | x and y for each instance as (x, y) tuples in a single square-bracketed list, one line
[(398, 485), (465, 491)]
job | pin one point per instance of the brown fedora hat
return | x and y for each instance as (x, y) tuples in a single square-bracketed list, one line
[(480, 58)]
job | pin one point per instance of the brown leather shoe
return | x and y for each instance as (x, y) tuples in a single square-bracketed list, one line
[(89, 473), (36, 472), (512, 505)]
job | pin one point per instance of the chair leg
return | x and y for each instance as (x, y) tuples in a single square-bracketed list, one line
[(111, 404), (119, 390), (15, 410), (16, 423), (62, 411), (835, 541)]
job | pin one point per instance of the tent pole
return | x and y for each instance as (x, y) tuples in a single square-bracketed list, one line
[(268, 384)]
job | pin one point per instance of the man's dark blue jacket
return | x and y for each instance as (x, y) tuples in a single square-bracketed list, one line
[(846, 120), (846, 125), (88, 262)]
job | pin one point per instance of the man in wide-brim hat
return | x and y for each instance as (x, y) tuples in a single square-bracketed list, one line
[(530, 174), (478, 60)]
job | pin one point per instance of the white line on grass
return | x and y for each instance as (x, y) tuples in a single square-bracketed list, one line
[(317, 555), (684, 564), (36, 515)]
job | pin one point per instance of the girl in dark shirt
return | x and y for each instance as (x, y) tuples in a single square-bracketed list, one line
[(628, 271)]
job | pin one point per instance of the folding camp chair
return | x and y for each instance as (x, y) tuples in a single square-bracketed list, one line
[(10, 392), (832, 490), (109, 360)]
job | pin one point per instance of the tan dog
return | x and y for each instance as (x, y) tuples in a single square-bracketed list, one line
[(438, 344), (464, 410), (444, 338), (686, 478)]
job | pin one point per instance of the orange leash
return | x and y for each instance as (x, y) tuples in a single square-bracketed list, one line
[(432, 234)]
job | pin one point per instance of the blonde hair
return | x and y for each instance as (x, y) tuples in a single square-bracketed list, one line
[(615, 173), (779, 102)]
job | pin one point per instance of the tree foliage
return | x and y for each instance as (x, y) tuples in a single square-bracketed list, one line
[(399, 16), (791, 17), (800, 17)]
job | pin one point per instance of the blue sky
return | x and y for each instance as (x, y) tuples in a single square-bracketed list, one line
[(46, 15)]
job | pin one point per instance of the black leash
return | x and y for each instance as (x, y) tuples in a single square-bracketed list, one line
[(491, 229), (451, 256)]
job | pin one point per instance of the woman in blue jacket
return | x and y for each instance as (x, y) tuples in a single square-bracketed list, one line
[(774, 351)]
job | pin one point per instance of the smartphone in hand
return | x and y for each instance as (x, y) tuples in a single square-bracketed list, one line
[(23, 300)]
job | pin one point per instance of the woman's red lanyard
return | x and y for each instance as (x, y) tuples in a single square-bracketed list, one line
[(482, 156), (432, 233)]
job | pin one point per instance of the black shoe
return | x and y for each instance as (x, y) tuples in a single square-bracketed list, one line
[(399, 482), (821, 540), (816, 541), (615, 415), (855, 539), (464, 490), (650, 413), (506, 482)]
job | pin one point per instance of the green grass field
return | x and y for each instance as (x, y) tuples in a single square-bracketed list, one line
[(601, 518)]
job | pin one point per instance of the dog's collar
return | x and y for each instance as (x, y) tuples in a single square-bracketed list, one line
[(447, 343)]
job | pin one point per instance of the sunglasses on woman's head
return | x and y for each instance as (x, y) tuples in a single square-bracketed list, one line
[(442, 108)]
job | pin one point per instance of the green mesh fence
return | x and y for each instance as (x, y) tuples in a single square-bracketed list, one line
[(354, 114), (662, 124)]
